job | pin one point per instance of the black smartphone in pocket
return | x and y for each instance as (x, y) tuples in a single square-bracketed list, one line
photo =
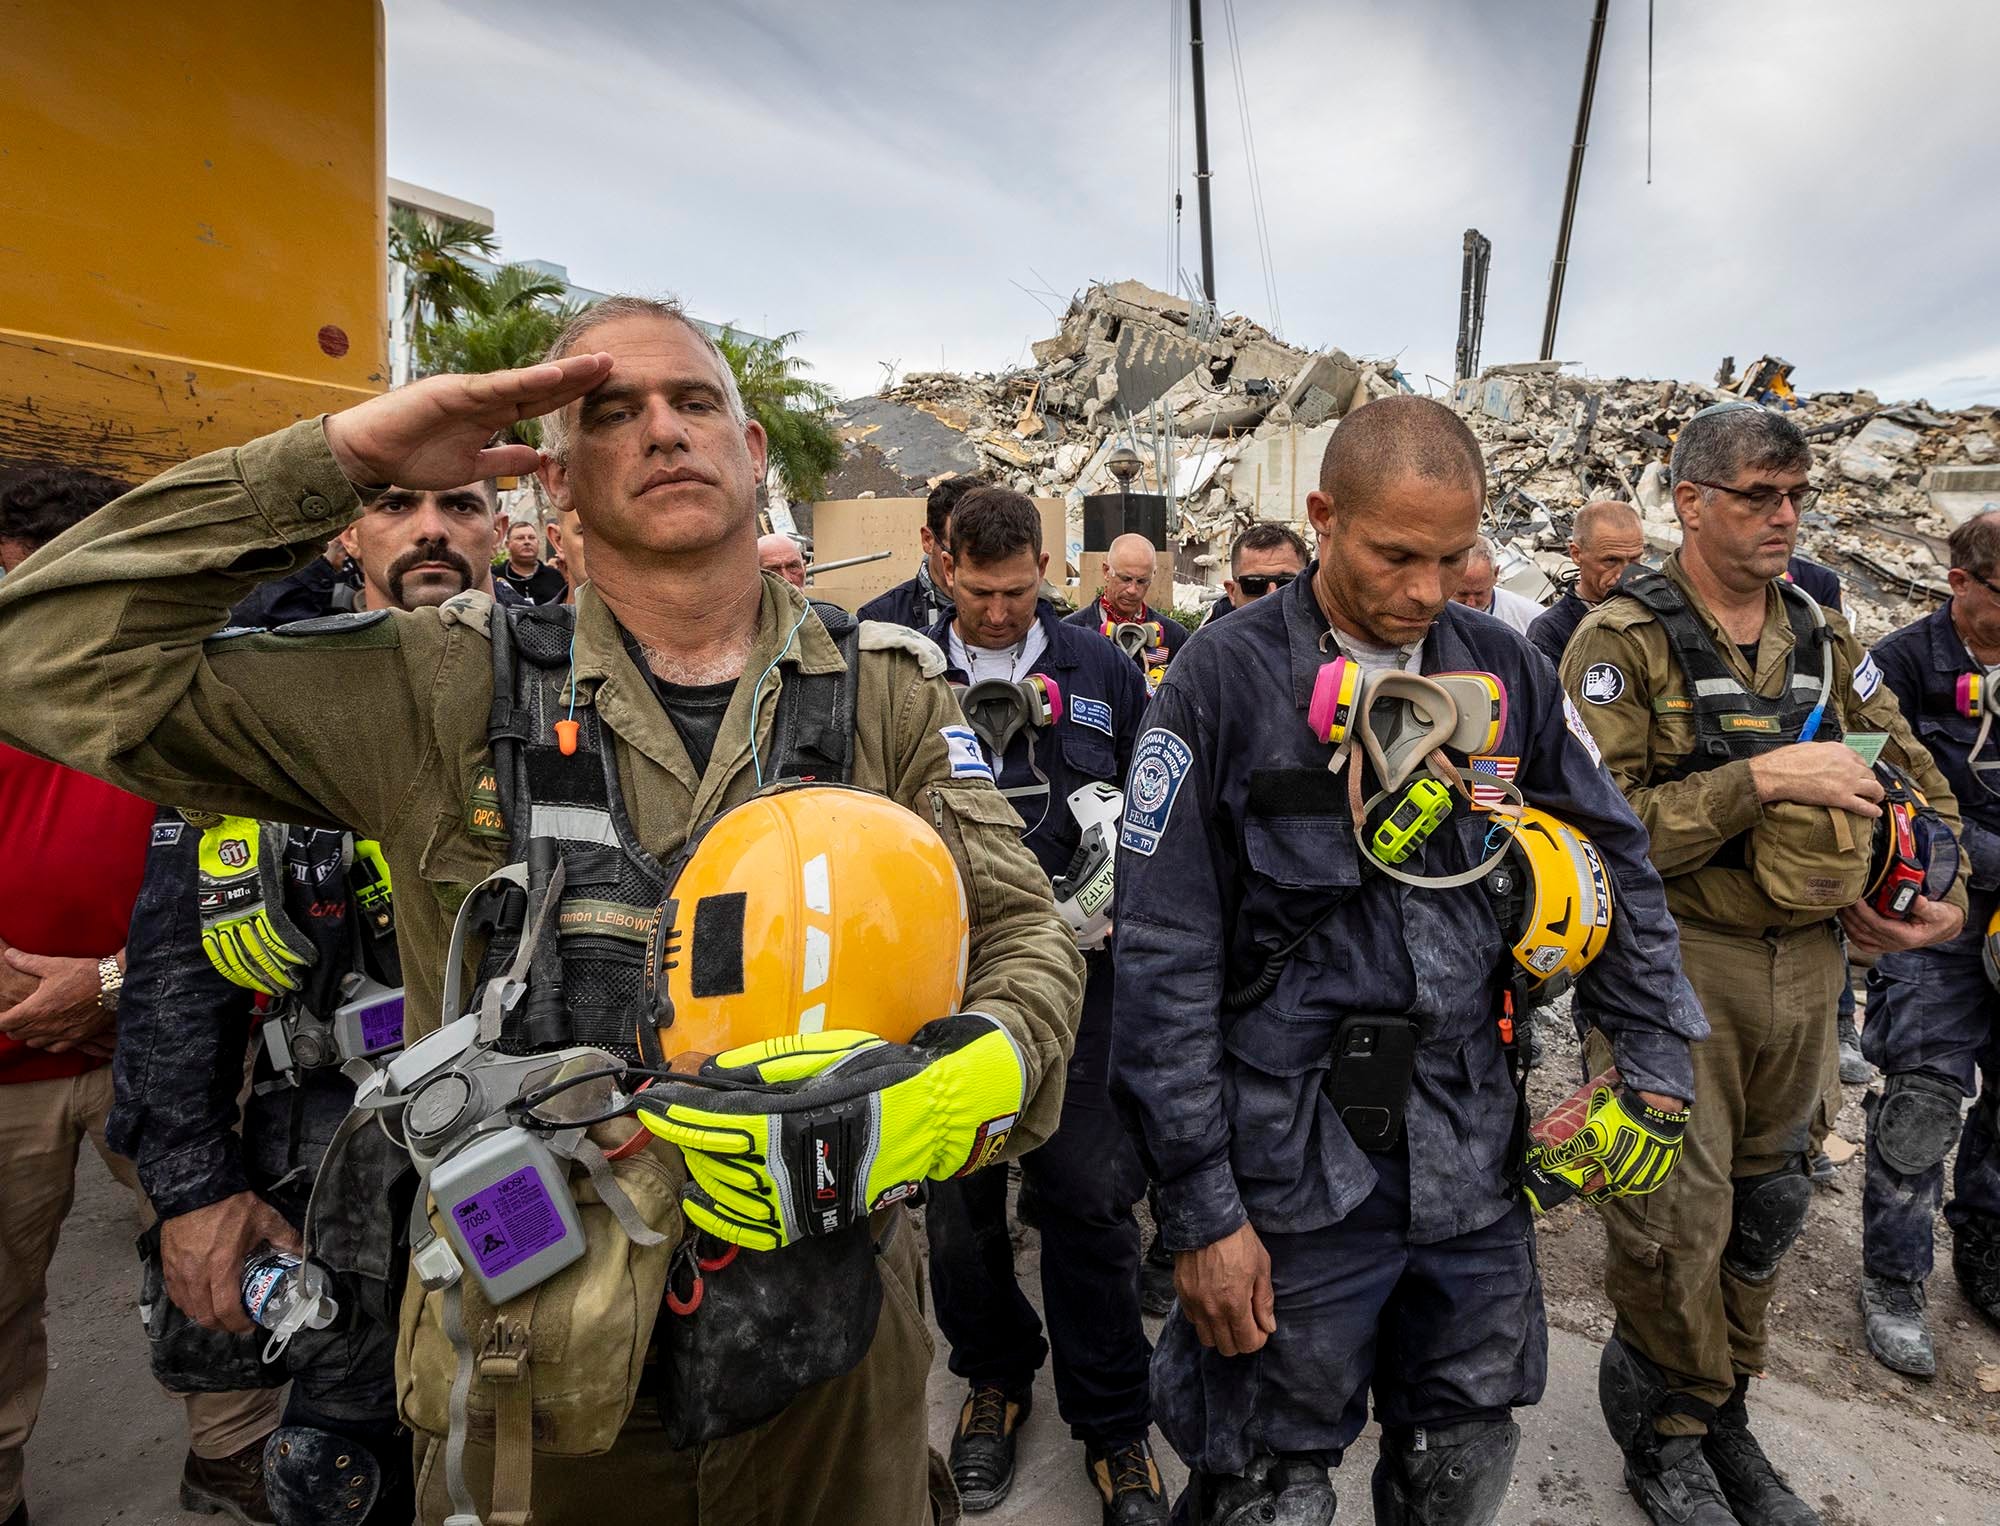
[(1369, 1079)]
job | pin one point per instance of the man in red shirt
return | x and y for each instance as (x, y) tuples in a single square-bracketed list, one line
[(74, 849)]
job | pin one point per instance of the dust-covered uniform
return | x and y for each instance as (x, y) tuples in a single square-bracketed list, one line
[(378, 722), (1933, 1016), (1692, 1267), (1412, 1271)]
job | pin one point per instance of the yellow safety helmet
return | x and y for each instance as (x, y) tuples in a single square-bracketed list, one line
[(811, 906), (1555, 902)]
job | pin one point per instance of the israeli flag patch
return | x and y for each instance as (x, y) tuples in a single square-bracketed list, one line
[(1867, 679), (962, 747), (1094, 713), (1159, 768)]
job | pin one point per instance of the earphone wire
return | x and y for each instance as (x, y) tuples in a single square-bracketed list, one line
[(757, 693)]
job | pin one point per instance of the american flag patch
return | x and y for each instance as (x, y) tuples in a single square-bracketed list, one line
[(1486, 796)]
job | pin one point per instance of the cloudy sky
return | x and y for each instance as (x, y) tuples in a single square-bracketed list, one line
[(885, 175)]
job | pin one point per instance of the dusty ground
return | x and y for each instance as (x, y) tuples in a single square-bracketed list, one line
[(1861, 1444)]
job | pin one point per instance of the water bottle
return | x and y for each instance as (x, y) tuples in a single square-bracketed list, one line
[(285, 1295)]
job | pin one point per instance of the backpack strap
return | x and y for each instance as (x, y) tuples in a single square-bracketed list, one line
[(813, 730)]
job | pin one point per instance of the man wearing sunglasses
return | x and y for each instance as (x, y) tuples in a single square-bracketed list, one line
[(1933, 1016), (1720, 695), (1262, 559), (1128, 573)]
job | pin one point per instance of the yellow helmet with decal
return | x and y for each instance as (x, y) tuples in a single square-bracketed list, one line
[(1554, 899), (806, 908)]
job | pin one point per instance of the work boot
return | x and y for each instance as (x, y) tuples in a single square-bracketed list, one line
[(1128, 1481), (1534, 1060), (1277, 1491), (1756, 1491), (1156, 1277), (1824, 1173), (1854, 1070), (1892, 1315), (231, 1486), (1675, 1486), (1975, 1262), (982, 1448)]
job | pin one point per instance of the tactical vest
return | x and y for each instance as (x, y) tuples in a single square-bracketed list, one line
[(589, 989), (1731, 721)]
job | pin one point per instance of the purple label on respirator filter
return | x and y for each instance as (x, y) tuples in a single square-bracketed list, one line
[(506, 1223), (382, 1025)]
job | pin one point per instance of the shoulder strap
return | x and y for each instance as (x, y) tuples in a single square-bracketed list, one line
[(813, 730)]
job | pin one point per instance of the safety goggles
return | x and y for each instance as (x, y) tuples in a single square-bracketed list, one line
[(1257, 584)]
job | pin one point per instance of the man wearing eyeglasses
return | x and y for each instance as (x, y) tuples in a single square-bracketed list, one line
[(1262, 559), (1128, 573), (1933, 1016), (1719, 696)]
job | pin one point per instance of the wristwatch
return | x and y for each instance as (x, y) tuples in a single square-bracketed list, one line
[(110, 981)]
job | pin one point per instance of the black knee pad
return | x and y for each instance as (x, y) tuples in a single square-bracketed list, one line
[(1769, 1213), (1445, 1476), (1916, 1122), (317, 1478)]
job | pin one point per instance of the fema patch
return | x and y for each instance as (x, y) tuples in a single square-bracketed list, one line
[(1094, 713), (1867, 679), (1159, 766), (1602, 683), (1581, 732), (967, 761)]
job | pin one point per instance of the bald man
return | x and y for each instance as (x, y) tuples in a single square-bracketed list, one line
[(781, 554), (1128, 573), (1606, 539), (1479, 589), (1311, 1048)]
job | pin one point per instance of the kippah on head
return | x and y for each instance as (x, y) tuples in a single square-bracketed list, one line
[(1397, 437)]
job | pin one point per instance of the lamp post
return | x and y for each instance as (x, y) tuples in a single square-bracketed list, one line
[(1124, 463)]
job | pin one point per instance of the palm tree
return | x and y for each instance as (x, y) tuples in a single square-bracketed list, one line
[(792, 408), (440, 280), (503, 322)]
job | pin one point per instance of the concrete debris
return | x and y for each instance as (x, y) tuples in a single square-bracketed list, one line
[(1236, 423)]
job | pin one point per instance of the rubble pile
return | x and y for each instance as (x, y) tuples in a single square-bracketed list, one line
[(1229, 422), (1895, 478)]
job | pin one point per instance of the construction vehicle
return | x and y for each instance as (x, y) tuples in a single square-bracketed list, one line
[(195, 216)]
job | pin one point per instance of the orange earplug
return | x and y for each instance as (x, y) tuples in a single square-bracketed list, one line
[(566, 733)]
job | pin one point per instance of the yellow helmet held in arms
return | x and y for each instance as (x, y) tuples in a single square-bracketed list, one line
[(809, 907), (1554, 901)]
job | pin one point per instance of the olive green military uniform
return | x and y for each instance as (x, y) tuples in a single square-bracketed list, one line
[(377, 723), (1768, 976)]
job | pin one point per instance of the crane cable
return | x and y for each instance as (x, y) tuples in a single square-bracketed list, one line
[(1258, 219)]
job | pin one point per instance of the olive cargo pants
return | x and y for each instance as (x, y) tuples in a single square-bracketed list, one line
[(1759, 1078), (853, 1449)]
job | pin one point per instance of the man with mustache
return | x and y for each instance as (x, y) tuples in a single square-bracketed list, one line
[(309, 919)]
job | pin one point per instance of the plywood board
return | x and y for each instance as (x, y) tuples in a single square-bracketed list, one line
[(856, 526)]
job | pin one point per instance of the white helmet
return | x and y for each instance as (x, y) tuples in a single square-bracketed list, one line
[(1083, 890)]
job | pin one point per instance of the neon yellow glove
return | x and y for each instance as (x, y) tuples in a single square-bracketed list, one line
[(244, 929), (805, 1135), (369, 879), (1632, 1145)]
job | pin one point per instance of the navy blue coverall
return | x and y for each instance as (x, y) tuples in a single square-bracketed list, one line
[(183, 1031), (1414, 1269), (1087, 1175), (1931, 1011), (912, 602)]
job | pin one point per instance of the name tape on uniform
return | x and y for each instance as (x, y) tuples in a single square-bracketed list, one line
[(1159, 767), (962, 747), (1094, 713)]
